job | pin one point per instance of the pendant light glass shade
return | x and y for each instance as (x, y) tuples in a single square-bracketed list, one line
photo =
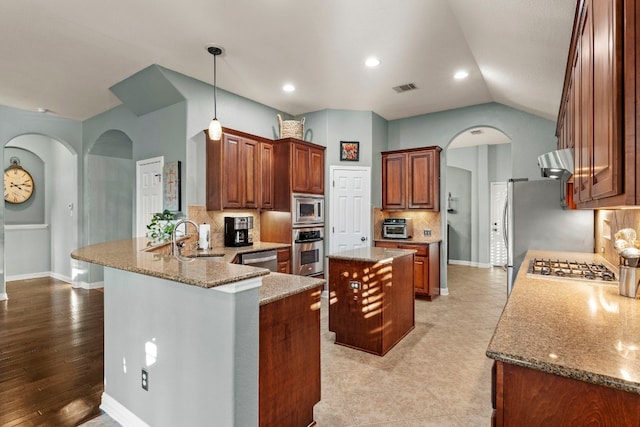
[(215, 128)]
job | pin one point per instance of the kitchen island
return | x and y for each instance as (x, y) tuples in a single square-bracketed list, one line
[(567, 352), (371, 297), (182, 338)]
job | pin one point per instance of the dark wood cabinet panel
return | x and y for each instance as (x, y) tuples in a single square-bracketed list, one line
[(289, 360), (426, 267), (411, 179), (545, 399), (300, 179), (284, 260), (233, 177), (267, 180), (316, 171)]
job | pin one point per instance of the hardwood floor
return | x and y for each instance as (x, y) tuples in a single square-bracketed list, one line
[(51, 353)]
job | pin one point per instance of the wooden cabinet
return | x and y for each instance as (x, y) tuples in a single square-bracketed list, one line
[(289, 359), (544, 399), (598, 114), (300, 169), (426, 266), (267, 181), (239, 172), (411, 179), (284, 260)]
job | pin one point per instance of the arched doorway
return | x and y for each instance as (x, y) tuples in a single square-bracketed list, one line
[(109, 193), (44, 230), (475, 158)]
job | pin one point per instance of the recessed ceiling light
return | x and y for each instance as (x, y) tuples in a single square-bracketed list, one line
[(459, 75), (372, 62), (288, 87)]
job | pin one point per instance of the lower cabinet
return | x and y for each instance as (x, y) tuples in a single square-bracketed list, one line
[(284, 260), (523, 396), (289, 364), (426, 266)]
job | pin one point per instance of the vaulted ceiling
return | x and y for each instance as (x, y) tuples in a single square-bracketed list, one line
[(64, 55)]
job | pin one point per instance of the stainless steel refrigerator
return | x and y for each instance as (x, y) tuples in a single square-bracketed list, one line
[(534, 219)]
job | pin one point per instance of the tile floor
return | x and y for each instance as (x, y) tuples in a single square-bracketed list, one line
[(438, 375)]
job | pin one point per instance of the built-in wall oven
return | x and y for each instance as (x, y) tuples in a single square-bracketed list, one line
[(308, 210), (308, 251)]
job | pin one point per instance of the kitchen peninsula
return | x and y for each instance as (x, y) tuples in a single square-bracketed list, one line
[(566, 351), (184, 339)]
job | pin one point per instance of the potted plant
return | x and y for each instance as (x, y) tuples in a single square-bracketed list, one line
[(161, 227)]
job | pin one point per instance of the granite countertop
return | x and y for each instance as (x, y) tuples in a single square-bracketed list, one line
[(576, 329), (207, 269), (371, 254), (414, 240)]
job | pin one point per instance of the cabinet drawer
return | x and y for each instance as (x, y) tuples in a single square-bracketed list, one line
[(422, 250), (284, 254)]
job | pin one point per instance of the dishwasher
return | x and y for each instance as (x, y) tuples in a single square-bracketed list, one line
[(264, 259)]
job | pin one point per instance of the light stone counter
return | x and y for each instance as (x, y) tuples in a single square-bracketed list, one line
[(371, 254), (576, 329), (276, 286)]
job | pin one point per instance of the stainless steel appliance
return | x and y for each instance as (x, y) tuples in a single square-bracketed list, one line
[(308, 209), (566, 269), (308, 251), (397, 228), (265, 259), (236, 231), (534, 219)]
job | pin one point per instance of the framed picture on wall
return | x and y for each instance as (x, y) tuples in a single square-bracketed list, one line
[(171, 186), (350, 151)]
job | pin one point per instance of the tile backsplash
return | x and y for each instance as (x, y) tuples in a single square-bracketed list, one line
[(608, 222), (215, 219)]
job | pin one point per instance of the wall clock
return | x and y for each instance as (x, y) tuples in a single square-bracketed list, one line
[(18, 184)]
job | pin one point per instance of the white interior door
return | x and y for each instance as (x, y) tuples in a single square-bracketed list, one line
[(498, 254), (148, 191), (350, 222)]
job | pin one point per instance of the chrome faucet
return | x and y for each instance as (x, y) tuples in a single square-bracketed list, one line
[(175, 246)]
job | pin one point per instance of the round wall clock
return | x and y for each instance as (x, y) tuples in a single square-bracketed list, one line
[(18, 184)]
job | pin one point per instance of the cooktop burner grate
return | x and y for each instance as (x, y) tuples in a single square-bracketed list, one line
[(571, 269)]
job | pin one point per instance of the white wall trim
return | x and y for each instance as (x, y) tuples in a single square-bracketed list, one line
[(60, 277), (87, 285), (3, 296), (470, 263), (26, 226), (119, 413), (444, 292), (28, 276)]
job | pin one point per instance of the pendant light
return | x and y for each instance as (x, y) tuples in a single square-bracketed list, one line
[(215, 128)]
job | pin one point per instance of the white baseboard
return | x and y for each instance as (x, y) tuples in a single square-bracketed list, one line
[(119, 413), (60, 277), (444, 291), (86, 285), (3, 296), (470, 263), (28, 276)]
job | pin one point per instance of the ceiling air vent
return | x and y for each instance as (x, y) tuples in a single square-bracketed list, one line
[(405, 87)]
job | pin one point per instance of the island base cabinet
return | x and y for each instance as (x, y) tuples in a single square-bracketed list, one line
[(523, 396), (371, 305), (289, 366)]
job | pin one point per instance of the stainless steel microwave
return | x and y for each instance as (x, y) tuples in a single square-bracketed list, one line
[(397, 228), (308, 209)]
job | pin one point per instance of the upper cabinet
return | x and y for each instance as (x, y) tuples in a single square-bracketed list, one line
[(411, 179), (239, 173), (300, 167), (597, 117)]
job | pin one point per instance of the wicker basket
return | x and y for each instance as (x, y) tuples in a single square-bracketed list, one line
[(291, 128)]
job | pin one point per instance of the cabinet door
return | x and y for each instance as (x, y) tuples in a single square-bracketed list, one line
[(606, 177), (316, 171), (250, 175), (584, 144), (423, 180), (266, 176), (301, 168), (394, 181), (232, 176), (434, 270), (420, 268)]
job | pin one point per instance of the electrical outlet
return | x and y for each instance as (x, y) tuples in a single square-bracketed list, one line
[(427, 232), (355, 285), (145, 379)]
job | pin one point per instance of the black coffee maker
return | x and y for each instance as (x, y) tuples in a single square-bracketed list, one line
[(236, 231)]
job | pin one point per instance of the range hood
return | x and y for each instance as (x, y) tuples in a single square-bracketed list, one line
[(557, 164)]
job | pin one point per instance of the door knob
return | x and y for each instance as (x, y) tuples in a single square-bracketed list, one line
[(363, 238)]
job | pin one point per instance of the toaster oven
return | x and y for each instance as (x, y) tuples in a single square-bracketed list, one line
[(397, 228)]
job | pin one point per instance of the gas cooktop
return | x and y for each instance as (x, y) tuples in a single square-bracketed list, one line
[(570, 270)]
